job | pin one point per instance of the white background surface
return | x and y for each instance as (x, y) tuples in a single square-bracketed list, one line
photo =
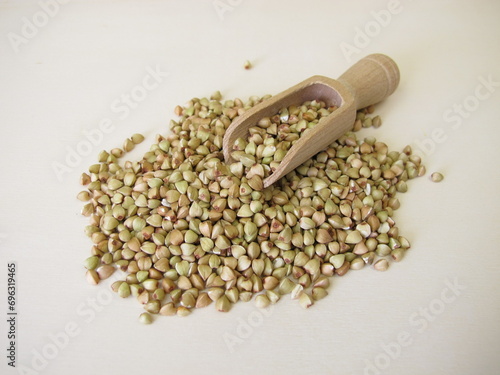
[(64, 80)]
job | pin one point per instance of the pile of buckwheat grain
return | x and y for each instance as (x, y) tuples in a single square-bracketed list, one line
[(190, 230)]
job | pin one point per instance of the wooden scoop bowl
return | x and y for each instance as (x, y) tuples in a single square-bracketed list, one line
[(367, 82)]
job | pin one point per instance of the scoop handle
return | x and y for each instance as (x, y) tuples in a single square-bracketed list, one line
[(371, 79)]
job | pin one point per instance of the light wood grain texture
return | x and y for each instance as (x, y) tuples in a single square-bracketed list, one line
[(367, 82)]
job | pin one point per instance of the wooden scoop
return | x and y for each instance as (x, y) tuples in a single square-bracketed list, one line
[(367, 82)]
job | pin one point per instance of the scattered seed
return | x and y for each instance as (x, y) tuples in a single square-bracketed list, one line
[(145, 318), (223, 304), (92, 262), (381, 265), (262, 301), (183, 311), (137, 138), (297, 291), (168, 309), (305, 300), (124, 290), (83, 196), (92, 277), (105, 271), (437, 177), (319, 293)]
